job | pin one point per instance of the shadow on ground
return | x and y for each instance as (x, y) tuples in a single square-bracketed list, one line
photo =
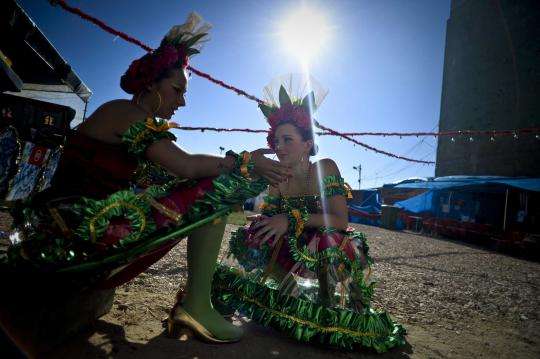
[(108, 340)]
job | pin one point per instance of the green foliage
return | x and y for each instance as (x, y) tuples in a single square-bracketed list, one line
[(283, 97), (266, 110), (309, 101), (194, 40)]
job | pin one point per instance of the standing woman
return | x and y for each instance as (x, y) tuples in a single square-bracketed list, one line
[(104, 217), (298, 267)]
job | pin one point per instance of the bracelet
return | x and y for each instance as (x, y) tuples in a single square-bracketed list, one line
[(334, 185), (270, 206), (243, 164), (298, 218), (246, 157)]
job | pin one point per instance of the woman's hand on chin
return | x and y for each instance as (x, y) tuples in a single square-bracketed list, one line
[(273, 171)]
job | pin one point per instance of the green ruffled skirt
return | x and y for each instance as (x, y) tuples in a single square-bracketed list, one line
[(309, 290), (88, 238)]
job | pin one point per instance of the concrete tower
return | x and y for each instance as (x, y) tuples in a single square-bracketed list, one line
[(491, 80)]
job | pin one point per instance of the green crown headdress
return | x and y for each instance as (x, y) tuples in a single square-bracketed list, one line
[(294, 101)]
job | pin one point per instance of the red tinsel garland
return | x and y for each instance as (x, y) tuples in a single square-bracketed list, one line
[(128, 38), (383, 134), (439, 134), (223, 84), (100, 23), (318, 125), (328, 130), (124, 36), (215, 129)]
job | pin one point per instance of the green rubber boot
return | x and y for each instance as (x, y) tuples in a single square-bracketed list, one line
[(202, 252)]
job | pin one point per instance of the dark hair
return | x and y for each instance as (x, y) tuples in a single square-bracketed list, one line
[(305, 134)]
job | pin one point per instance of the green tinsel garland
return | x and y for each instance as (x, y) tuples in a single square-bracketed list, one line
[(307, 321)]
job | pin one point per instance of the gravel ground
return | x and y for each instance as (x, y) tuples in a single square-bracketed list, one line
[(456, 301), (423, 279)]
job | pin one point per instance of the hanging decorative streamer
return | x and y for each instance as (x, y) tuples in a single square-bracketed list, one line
[(468, 133), (223, 84), (217, 129), (328, 131), (441, 134), (128, 38), (99, 23), (318, 125)]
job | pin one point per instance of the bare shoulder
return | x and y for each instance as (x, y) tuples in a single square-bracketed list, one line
[(119, 111), (327, 167), (111, 120)]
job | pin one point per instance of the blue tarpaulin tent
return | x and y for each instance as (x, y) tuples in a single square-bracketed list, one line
[(526, 183), (485, 204), (369, 210), (487, 184)]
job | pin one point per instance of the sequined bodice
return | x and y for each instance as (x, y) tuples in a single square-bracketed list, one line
[(311, 202)]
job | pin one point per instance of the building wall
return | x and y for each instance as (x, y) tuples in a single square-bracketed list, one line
[(491, 80)]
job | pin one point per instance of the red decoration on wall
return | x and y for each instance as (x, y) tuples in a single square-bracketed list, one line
[(37, 155)]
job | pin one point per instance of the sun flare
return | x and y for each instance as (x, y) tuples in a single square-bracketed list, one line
[(304, 33)]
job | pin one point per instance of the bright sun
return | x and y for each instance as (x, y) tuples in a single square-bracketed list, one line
[(304, 33)]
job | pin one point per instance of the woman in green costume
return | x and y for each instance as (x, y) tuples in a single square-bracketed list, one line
[(298, 267), (125, 193)]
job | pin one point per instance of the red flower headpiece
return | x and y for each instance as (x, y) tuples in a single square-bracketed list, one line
[(147, 69), (290, 111), (298, 115), (181, 42)]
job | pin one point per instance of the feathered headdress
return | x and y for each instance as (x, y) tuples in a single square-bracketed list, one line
[(294, 101), (189, 36), (180, 43)]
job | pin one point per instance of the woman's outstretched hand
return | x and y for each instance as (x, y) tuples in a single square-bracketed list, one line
[(273, 171), (269, 228)]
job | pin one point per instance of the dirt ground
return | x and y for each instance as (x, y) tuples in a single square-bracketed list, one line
[(456, 300)]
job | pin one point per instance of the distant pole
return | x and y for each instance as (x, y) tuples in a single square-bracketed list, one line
[(359, 168), (505, 209), (221, 149)]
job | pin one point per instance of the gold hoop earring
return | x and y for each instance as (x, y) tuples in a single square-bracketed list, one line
[(138, 100), (159, 104)]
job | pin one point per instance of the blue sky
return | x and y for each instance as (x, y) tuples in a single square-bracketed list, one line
[(383, 69)]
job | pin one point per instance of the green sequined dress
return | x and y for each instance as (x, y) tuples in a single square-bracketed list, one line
[(314, 286), (110, 213)]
